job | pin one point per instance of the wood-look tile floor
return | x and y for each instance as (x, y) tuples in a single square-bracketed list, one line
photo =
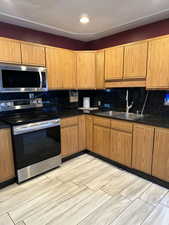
[(85, 191)]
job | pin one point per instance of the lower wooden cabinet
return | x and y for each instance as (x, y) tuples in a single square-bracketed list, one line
[(101, 140), (69, 136), (7, 170), (121, 147), (143, 142), (160, 167), (89, 132), (82, 132)]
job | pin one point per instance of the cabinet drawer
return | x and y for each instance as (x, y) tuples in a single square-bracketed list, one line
[(121, 125), (67, 122), (102, 121)]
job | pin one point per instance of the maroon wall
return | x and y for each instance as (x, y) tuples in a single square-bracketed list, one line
[(140, 33), (25, 34)]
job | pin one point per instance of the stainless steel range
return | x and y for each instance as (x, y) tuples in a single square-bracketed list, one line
[(36, 141)]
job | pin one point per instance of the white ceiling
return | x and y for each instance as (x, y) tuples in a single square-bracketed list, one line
[(61, 17)]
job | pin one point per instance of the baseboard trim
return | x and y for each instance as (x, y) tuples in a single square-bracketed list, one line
[(131, 170), (75, 155), (8, 182)]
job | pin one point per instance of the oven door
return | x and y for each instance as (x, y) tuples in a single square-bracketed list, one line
[(36, 142)]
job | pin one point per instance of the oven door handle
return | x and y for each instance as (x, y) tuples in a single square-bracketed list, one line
[(31, 127)]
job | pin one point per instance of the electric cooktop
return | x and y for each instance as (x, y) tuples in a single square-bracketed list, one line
[(31, 117)]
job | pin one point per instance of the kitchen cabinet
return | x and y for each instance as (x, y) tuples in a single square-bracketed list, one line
[(114, 61), (61, 66), (89, 132), (101, 136), (135, 60), (69, 136), (82, 132), (121, 142), (160, 166), (33, 54), (158, 66), (10, 51), (100, 69), (7, 170), (143, 142), (86, 69)]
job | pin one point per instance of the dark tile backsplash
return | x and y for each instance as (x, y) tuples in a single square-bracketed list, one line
[(110, 99), (115, 99)]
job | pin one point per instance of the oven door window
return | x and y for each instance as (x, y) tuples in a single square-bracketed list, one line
[(36, 146)]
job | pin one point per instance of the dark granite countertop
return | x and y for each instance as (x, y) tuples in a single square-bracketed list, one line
[(153, 120)]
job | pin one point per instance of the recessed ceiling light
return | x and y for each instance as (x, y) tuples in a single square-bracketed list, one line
[(84, 19)]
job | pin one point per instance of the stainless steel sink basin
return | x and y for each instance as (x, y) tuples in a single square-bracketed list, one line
[(121, 115)]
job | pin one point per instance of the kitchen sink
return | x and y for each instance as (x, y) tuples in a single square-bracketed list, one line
[(120, 115)]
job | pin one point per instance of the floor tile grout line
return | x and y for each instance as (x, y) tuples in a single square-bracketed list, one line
[(11, 218), (149, 215)]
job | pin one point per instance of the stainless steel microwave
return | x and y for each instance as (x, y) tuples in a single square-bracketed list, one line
[(19, 78)]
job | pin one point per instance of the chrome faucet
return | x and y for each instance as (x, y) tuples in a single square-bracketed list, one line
[(128, 107)]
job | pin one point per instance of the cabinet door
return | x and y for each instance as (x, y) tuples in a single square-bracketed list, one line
[(7, 170), (135, 60), (121, 147), (143, 141), (101, 141), (158, 66), (33, 54), (10, 51), (100, 70), (68, 68), (55, 77), (86, 70), (89, 133), (69, 140), (114, 58), (161, 154), (82, 132)]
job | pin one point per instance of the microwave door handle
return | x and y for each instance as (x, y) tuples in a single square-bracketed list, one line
[(40, 76)]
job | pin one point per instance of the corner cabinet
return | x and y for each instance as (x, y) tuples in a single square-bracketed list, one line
[(33, 54), (7, 170), (158, 64), (86, 69), (61, 66), (10, 51)]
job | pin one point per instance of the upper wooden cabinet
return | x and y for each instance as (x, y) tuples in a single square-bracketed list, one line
[(86, 70), (100, 69), (160, 167), (114, 58), (7, 170), (10, 51), (158, 64), (33, 54), (61, 66), (143, 142), (135, 60)]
